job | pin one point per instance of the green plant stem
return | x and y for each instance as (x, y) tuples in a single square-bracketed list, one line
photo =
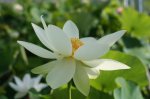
[(69, 90)]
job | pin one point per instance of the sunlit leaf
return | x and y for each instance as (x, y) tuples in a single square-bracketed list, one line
[(137, 72), (136, 23)]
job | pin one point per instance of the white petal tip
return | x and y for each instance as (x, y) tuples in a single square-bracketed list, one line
[(33, 24), (109, 64), (127, 67), (19, 42), (123, 31), (124, 67), (42, 16), (69, 21), (42, 19), (114, 68)]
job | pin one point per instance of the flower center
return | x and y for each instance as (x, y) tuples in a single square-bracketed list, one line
[(76, 43)]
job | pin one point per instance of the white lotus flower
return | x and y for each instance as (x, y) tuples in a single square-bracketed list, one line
[(77, 59), (23, 86)]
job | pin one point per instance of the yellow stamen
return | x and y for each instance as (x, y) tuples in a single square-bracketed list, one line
[(76, 43)]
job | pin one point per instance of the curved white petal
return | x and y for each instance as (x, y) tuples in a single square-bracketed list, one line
[(27, 78), (39, 51), (27, 81), (39, 87), (62, 73), (20, 95), (46, 33), (36, 80), (88, 40), (43, 22), (91, 51), (93, 73), (81, 79), (18, 81), (44, 69), (15, 87), (59, 40), (71, 29), (111, 38), (41, 35), (108, 64), (93, 63)]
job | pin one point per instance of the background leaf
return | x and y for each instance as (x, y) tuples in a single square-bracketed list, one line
[(137, 73), (61, 93), (136, 23), (128, 90)]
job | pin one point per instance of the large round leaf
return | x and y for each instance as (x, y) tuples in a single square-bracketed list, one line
[(137, 72)]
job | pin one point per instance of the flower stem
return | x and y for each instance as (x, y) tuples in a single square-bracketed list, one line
[(69, 90)]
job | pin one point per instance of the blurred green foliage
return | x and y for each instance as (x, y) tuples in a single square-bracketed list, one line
[(128, 90), (93, 18), (136, 23)]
